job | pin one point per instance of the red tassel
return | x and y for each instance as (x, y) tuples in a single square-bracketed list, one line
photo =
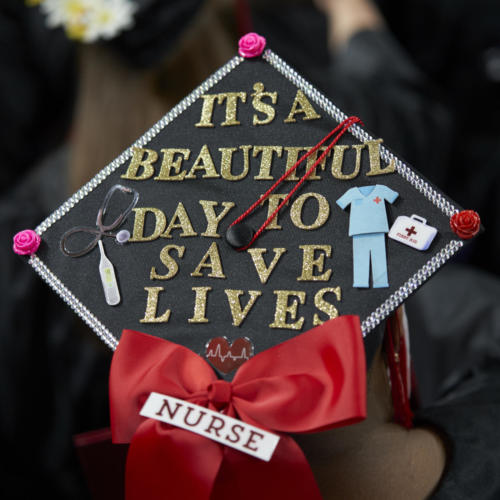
[(397, 360)]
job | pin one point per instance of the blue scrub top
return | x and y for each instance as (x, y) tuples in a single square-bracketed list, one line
[(368, 214)]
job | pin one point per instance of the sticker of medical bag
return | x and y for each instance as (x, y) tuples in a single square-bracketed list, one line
[(413, 231)]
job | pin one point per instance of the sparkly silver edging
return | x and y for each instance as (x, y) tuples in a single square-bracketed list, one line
[(400, 295), (142, 141), (417, 182), (56, 284), (323, 102), (41, 268)]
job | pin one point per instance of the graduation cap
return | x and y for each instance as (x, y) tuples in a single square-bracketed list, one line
[(255, 213)]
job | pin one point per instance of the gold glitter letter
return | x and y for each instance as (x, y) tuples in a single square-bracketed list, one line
[(312, 159), (260, 264), (144, 158), (273, 202), (323, 211), (226, 163), (170, 162), (266, 160), (207, 110), (212, 219), (374, 151), (214, 263), (140, 219), (310, 262), (301, 105), (324, 306), (180, 220), (169, 263), (283, 308), (231, 99), (200, 304), (292, 156), (152, 306), (233, 297), (262, 107), (203, 162), (338, 161)]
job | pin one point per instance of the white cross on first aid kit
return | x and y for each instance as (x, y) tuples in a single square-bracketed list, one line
[(413, 231)]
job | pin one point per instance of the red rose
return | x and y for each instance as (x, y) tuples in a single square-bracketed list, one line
[(465, 224), (251, 45), (26, 242)]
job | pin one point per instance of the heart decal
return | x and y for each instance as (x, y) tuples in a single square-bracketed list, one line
[(225, 357)]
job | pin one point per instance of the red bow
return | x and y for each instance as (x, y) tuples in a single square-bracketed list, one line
[(312, 382)]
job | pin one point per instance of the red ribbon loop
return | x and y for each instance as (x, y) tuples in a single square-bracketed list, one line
[(313, 382)]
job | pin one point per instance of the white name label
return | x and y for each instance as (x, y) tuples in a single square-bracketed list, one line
[(211, 424)]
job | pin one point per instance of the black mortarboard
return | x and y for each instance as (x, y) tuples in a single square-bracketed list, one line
[(253, 211), (358, 236)]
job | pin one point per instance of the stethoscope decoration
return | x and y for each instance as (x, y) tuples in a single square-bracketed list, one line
[(106, 269)]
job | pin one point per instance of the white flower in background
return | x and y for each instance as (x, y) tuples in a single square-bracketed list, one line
[(89, 20), (108, 18), (62, 12)]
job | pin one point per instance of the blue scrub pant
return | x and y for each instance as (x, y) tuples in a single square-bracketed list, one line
[(366, 248)]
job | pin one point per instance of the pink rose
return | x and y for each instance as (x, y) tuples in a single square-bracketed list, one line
[(251, 45), (26, 242)]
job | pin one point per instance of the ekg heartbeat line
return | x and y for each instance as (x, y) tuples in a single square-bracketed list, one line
[(217, 354)]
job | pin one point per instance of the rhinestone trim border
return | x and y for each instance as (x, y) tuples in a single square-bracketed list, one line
[(388, 306), (41, 268), (400, 295), (142, 141), (324, 103), (56, 284)]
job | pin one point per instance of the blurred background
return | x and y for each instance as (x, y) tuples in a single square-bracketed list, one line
[(424, 75)]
